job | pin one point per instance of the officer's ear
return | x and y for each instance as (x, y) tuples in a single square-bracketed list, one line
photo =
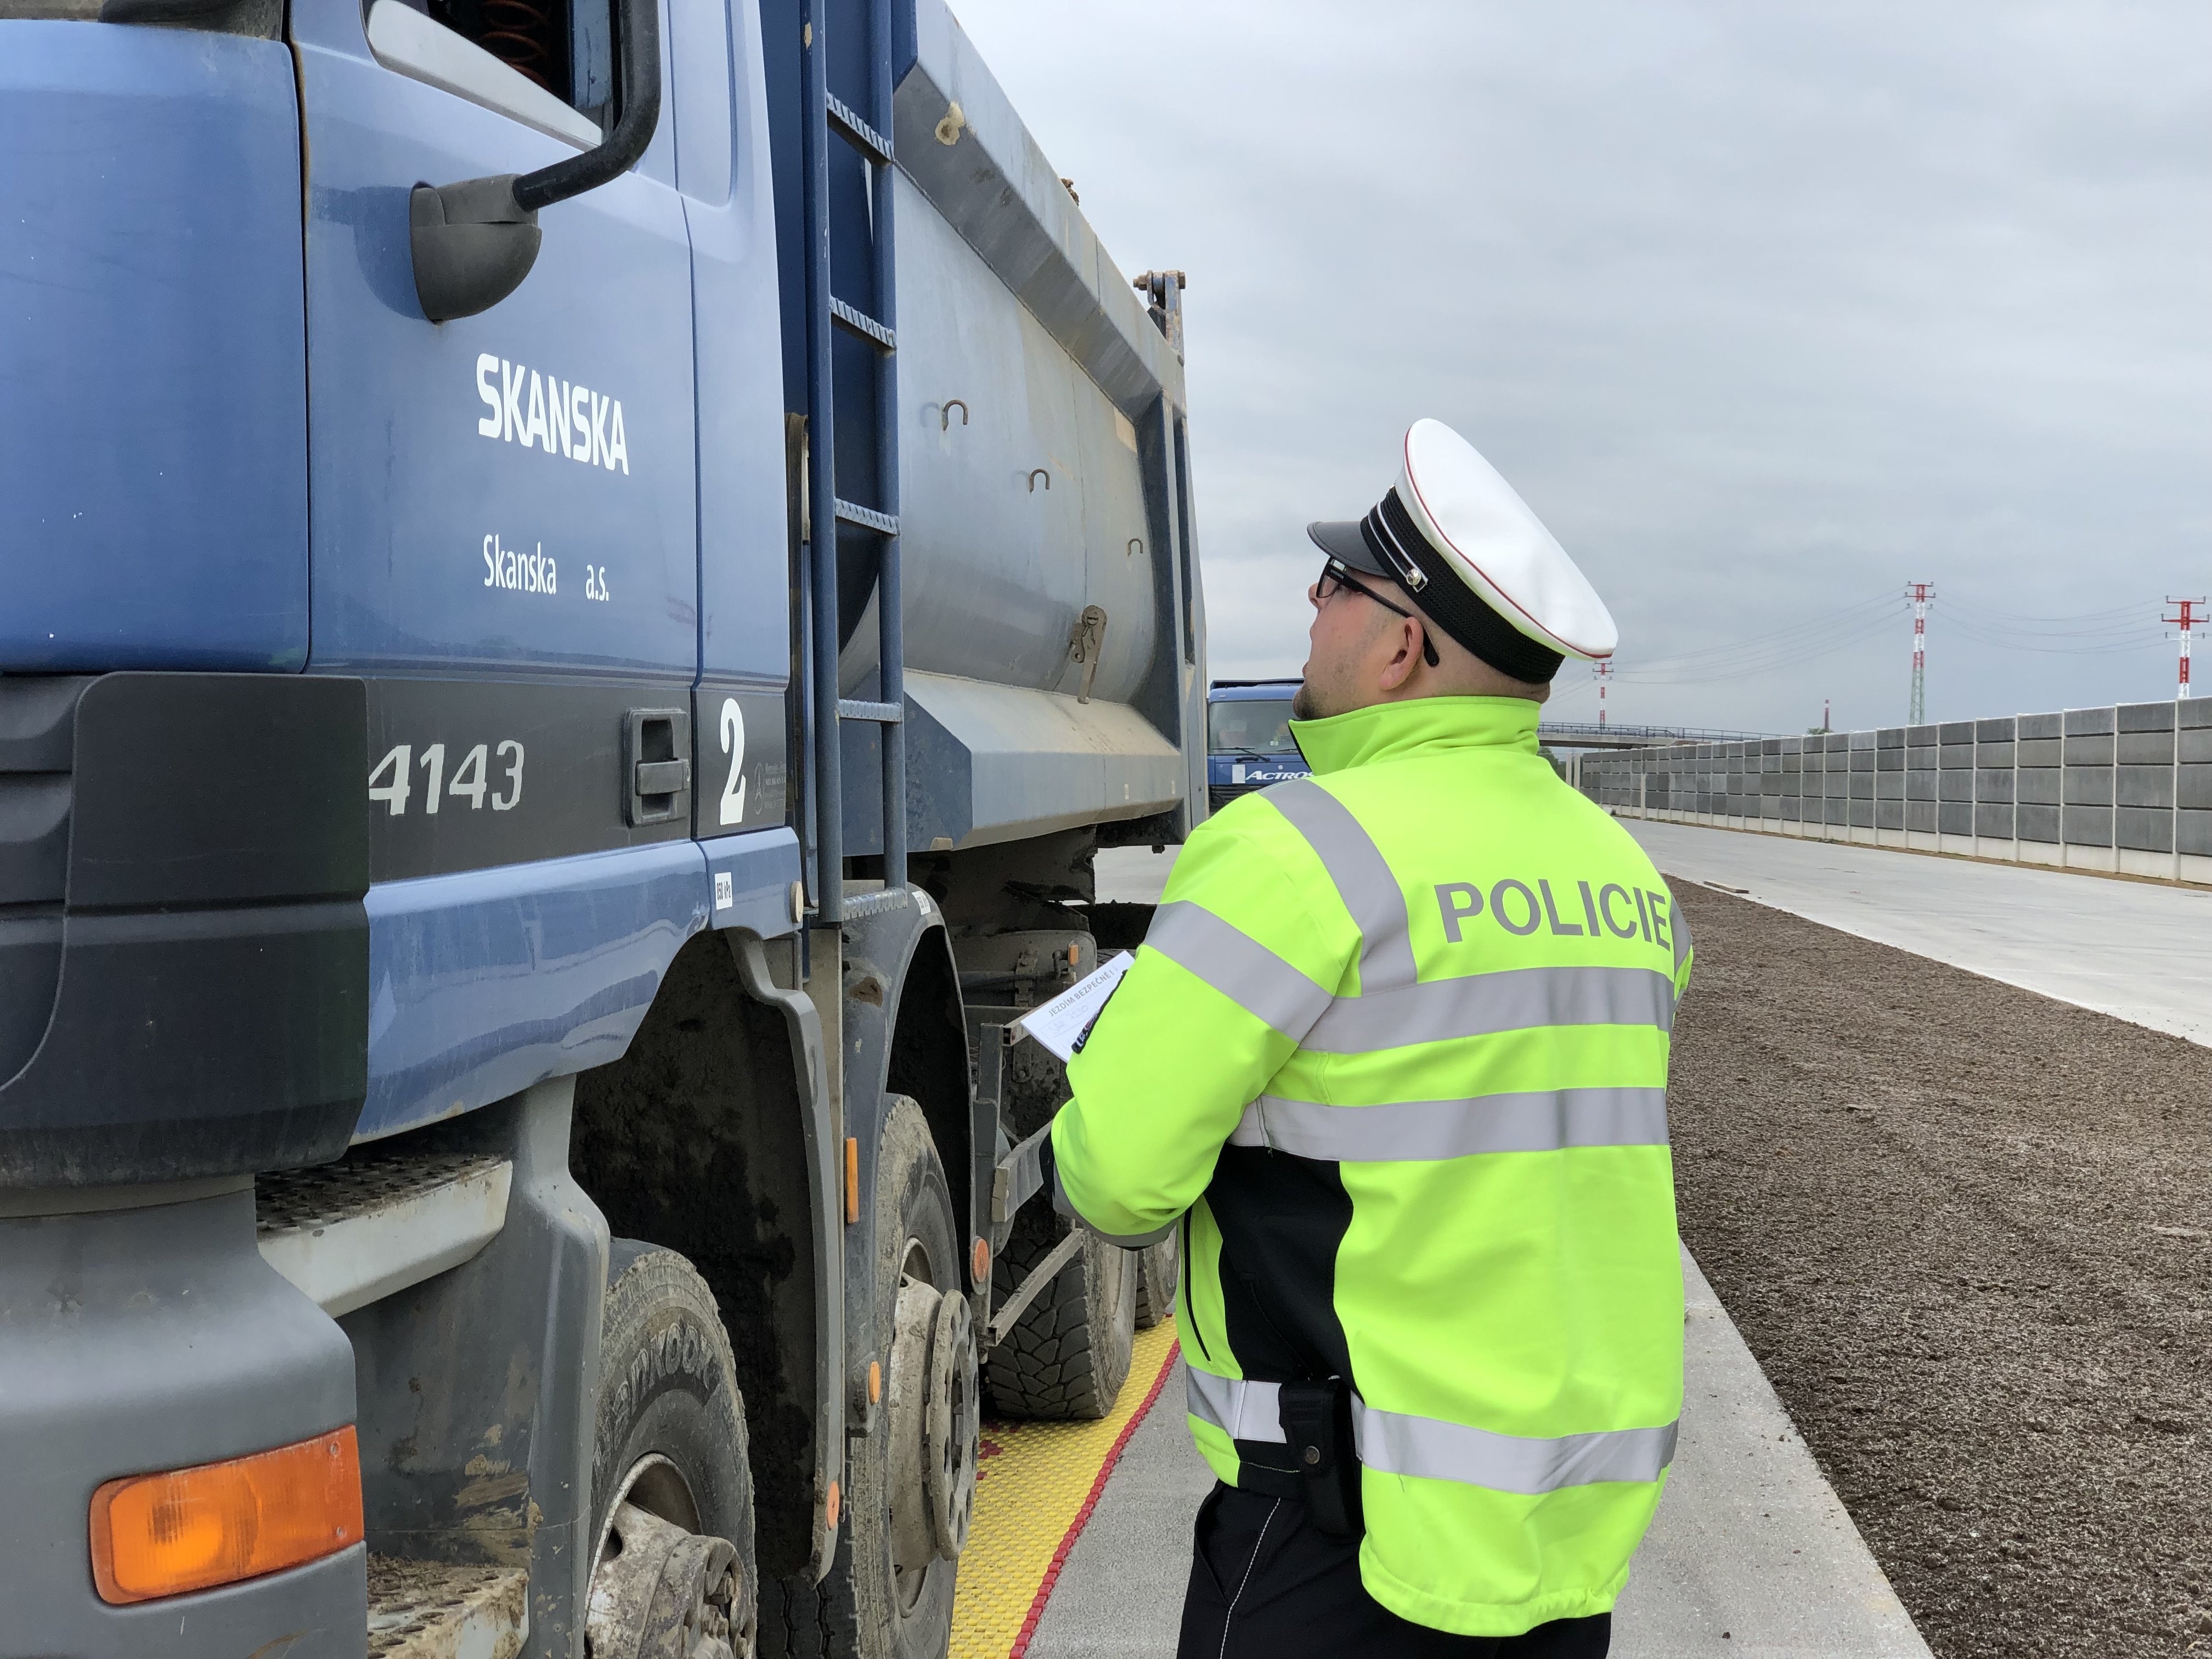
[(1410, 637)]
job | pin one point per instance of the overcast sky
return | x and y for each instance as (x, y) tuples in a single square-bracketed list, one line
[(1767, 308)]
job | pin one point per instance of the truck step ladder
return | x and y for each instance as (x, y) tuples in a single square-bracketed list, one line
[(355, 1231), (827, 114), (429, 1610)]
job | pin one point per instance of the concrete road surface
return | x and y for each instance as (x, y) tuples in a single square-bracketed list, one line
[(2139, 950), (1752, 1555), (1133, 875)]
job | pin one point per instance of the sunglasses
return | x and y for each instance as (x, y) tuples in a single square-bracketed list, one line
[(1335, 574)]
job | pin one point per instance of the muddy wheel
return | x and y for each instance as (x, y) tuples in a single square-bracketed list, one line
[(888, 1594), (1156, 1282), (672, 1497), (1068, 1353), (914, 1476)]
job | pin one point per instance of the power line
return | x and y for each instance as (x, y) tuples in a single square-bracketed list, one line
[(1746, 662), (1822, 622), (2142, 638), (2018, 618), (2118, 631), (1781, 646)]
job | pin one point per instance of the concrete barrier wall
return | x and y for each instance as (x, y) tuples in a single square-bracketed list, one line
[(2126, 790)]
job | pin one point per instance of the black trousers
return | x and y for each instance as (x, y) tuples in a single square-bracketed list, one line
[(1265, 1585)]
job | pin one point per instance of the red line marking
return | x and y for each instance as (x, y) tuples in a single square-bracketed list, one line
[(1083, 1515)]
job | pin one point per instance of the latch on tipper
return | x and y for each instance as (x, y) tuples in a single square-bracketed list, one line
[(1085, 641)]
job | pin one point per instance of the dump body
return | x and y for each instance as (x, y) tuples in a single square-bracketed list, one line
[(1042, 457)]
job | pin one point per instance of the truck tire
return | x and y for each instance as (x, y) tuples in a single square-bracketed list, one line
[(671, 1485), (889, 1592), (1157, 1265), (801, 1618), (1068, 1353)]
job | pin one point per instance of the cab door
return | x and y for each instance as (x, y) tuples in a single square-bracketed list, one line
[(503, 507)]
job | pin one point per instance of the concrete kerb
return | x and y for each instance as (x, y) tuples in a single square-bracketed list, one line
[(2140, 951), (1752, 1552)]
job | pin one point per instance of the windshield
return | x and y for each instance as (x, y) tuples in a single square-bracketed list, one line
[(1259, 727)]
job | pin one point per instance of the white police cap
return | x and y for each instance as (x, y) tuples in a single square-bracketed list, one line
[(1455, 536)]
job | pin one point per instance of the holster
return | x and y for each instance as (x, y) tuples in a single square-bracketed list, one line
[(1317, 1423)]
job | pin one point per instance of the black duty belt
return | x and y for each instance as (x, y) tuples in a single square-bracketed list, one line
[(1316, 1419)]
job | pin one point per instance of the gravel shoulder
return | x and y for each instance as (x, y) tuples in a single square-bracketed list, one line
[(1967, 1232)]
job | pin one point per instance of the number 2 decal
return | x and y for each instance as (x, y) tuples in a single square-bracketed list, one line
[(734, 746)]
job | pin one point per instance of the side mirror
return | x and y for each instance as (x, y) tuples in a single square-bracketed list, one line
[(474, 242)]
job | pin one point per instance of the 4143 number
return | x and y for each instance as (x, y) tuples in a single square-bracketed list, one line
[(392, 782)]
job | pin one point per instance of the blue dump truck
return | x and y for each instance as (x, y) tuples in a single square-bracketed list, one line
[(1249, 743), (584, 581)]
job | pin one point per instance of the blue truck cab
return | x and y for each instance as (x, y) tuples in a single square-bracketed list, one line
[(585, 579), (1247, 738)]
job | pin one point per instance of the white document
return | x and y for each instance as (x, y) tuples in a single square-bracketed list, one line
[(1060, 1024)]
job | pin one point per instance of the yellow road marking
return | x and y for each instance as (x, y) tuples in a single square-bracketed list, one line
[(1034, 1487)]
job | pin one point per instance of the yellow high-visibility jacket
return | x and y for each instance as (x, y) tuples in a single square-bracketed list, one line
[(1394, 1056)]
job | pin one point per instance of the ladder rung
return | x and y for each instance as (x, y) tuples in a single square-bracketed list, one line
[(873, 144), (867, 518), (884, 714), (868, 904), (861, 323)]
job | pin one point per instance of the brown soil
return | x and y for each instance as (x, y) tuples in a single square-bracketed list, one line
[(1967, 1230)]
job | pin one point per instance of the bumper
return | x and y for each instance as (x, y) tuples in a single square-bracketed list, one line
[(155, 1338)]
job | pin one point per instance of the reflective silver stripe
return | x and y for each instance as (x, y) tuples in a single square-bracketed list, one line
[(1239, 966), (1396, 1443), (1363, 880), (1678, 928), (1243, 1411), (1428, 1447), (1408, 1130), (1511, 999)]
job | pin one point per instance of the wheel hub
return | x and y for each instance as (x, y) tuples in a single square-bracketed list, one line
[(935, 1415), (951, 1425), (659, 1592), (914, 1542)]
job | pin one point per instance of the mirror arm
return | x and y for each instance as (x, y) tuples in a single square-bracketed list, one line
[(641, 114), (473, 242)]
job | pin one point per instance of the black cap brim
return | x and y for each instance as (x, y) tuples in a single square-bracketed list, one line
[(1342, 541)]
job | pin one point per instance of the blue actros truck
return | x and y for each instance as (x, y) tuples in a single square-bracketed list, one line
[(1249, 742), (584, 579)]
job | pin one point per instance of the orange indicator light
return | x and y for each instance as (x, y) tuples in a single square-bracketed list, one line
[(191, 1530)]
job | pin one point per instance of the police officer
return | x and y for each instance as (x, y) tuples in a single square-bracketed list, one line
[(1392, 1061)]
